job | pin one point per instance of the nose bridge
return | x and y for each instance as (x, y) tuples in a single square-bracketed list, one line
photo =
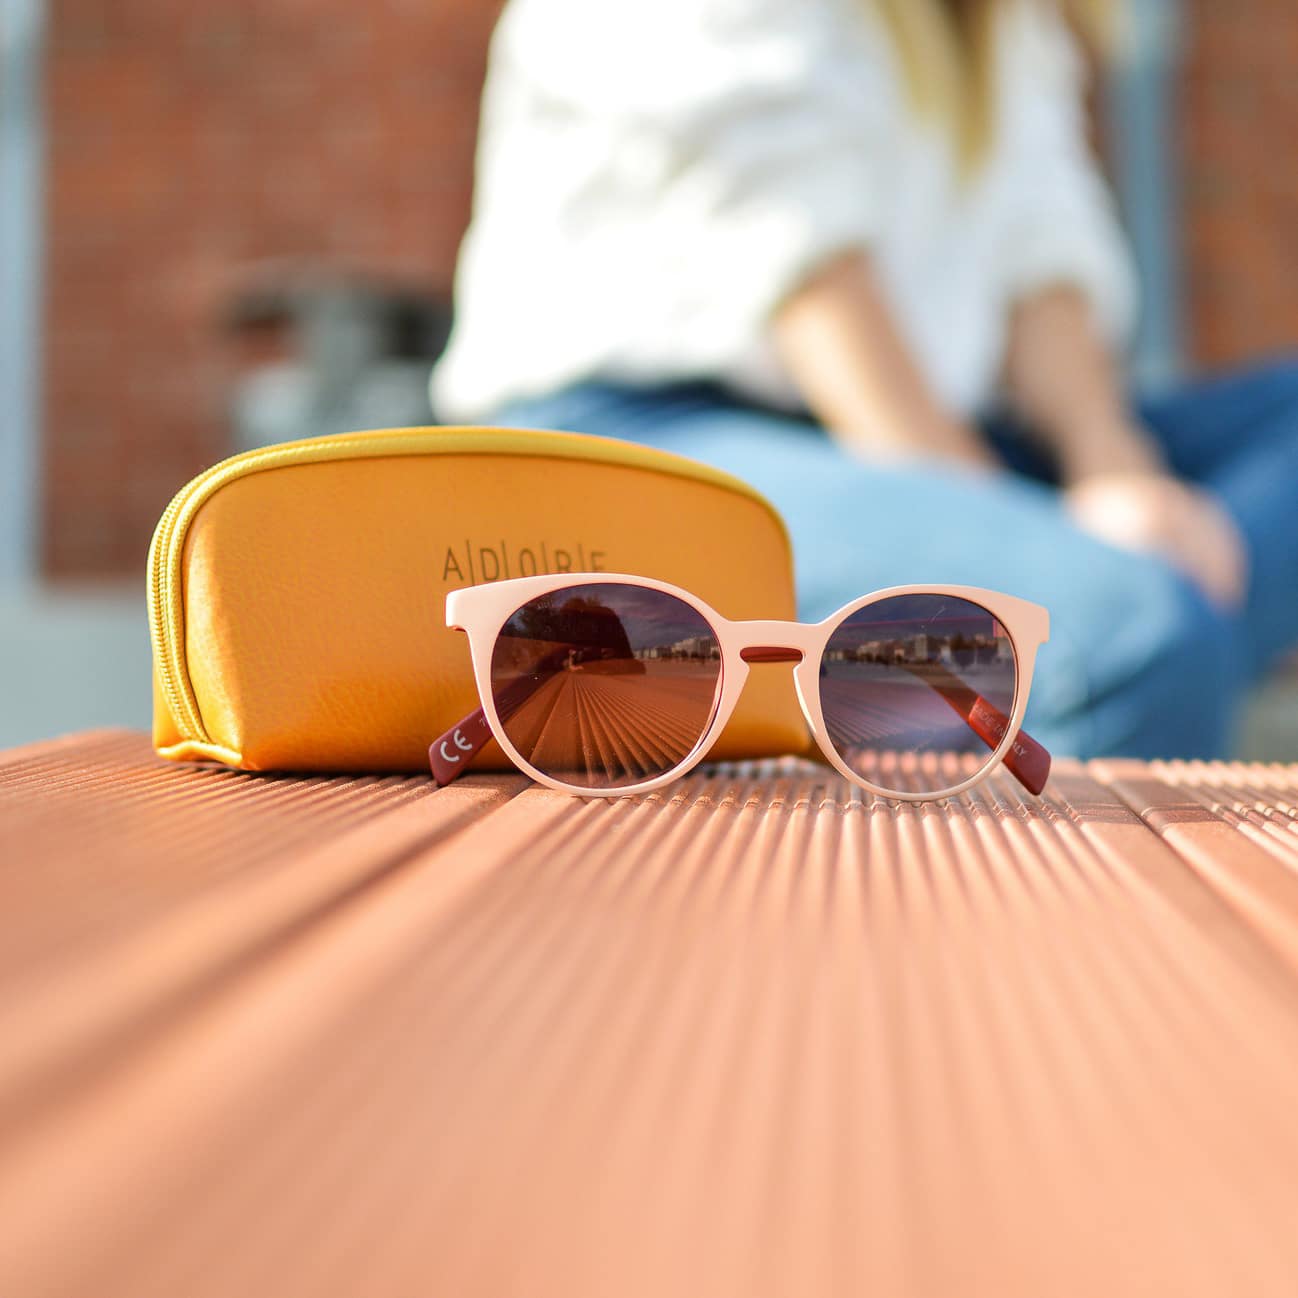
[(772, 641)]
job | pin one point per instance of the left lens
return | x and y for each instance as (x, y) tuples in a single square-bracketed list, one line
[(606, 685), (915, 689)]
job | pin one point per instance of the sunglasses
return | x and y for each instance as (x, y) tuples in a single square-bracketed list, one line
[(602, 684)]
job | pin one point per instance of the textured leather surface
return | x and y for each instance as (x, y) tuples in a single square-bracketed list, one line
[(314, 629), (753, 1037)]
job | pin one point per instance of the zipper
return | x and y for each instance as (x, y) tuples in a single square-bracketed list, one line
[(166, 552), (166, 610)]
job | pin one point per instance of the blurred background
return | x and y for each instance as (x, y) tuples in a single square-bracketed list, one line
[(227, 225)]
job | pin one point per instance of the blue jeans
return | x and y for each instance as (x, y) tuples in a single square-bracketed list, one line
[(1139, 663)]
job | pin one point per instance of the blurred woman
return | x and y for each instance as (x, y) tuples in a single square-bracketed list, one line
[(858, 253)]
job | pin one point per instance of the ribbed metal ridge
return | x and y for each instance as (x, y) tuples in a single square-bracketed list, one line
[(754, 1036)]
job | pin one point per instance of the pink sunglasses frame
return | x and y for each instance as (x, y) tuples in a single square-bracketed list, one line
[(481, 611)]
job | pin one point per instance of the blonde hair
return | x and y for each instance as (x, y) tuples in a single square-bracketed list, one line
[(948, 54)]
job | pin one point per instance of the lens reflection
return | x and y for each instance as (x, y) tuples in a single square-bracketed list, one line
[(605, 685), (917, 691)]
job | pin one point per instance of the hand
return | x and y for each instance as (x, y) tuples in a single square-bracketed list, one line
[(1159, 514)]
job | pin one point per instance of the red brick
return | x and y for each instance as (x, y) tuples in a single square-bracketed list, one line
[(1240, 113), (187, 145)]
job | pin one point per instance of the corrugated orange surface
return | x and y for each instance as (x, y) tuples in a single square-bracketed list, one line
[(756, 1036)]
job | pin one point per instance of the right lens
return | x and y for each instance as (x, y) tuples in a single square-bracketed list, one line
[(605, 685), (917, 691)]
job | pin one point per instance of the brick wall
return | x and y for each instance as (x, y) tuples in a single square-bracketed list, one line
[(1240, 184), (191, 141), (188, 142)]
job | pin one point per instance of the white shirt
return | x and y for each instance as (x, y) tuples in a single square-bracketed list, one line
[(655, 176)]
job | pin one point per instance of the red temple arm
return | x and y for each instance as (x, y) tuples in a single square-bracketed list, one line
[(450, 754), (1026, 760)]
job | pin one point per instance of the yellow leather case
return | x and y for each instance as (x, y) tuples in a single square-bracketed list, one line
[(296, 593)]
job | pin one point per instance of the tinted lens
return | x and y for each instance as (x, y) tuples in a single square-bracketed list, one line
[(605, 685), (916, 689)]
